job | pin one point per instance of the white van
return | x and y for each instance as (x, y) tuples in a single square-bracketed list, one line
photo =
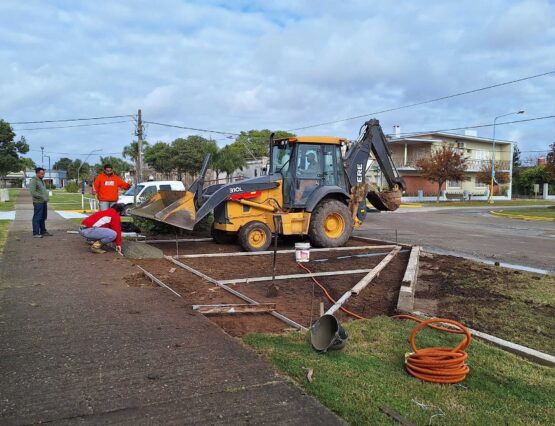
[(145, 190)]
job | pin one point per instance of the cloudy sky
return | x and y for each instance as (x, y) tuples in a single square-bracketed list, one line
[(239, 65)]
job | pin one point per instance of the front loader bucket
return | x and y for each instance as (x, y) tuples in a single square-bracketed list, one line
[(181, 213), (176, 208), (385, 200)]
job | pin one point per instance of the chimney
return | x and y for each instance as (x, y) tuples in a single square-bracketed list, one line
[(397, 130)]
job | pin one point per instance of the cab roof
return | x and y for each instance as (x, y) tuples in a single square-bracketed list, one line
[(315, 139)]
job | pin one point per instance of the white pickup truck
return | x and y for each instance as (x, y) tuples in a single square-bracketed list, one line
[(145, 190)]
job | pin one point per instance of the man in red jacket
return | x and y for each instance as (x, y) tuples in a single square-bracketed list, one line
[(103, 227)]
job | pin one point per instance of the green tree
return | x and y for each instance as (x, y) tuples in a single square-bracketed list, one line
[(131, 151), (63, 163), (189, 153), (84, 170), (516, 158), (533, 175), (254, 144), (27, 164), (118, 165), (442, 165), (10, 150), (228, 159), (160, 157)]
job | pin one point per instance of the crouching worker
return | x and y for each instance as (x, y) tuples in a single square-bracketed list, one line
[(103, 227)]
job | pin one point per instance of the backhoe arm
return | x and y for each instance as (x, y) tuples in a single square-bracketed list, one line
[(373, 140)]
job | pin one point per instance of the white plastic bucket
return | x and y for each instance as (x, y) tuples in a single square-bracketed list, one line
[(302, 252)]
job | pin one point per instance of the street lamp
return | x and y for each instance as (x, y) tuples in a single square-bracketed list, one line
[(49, 172), (78, 170), (86, 158), (490, 200)]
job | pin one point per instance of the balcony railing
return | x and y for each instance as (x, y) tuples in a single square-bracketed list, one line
[(471, 165)]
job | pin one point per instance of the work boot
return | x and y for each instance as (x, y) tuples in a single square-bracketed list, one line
[(97, 248), (46, 234)]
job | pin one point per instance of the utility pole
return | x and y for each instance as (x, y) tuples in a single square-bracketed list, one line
[(42, 156), (140, 147)]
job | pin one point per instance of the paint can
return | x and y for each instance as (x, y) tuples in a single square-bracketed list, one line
[(302, 252)]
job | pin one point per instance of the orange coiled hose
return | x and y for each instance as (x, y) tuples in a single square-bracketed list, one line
[(438, 365)]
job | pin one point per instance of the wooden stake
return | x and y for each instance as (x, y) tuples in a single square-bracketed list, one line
[(258, 253), (295, 276), (395, 415), (234, 308), (235, 293), (158, 281), (364, 282), (321, 308)]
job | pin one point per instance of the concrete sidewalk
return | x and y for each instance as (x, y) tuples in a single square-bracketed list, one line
[(80, 346)]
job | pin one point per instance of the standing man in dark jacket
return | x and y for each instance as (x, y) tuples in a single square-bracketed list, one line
[(40, 204)]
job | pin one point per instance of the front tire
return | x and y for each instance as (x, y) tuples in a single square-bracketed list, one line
[(255, 236), (331, 224), (127, 210)]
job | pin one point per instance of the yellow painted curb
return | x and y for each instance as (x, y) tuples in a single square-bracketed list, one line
[(412, 205), (500, 213), (78, 211)]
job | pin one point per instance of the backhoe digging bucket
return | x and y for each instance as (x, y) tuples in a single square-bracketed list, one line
[(176, 208), (385, 200)]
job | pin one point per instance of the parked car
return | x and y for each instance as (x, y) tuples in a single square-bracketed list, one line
[(145, 190)]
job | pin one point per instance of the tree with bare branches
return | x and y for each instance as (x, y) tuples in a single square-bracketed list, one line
[(484, 176), (550, 160), (444, 164)]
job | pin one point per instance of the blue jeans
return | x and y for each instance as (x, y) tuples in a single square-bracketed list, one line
[(105, 235), (40, 211)]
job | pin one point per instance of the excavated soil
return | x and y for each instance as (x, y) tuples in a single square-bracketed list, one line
[(297, 299)]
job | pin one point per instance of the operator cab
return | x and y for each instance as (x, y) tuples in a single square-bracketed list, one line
[(306, 163)]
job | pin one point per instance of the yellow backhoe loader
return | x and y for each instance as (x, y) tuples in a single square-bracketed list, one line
[(311, 189)]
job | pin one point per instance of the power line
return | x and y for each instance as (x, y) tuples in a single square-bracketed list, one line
[(220, 132), (77, 153), (476, 127), (73, 119), (76, 125), (424, 102)]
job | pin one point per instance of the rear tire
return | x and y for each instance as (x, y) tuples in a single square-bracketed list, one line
[(331, 224), (222, 237), (255, 236)]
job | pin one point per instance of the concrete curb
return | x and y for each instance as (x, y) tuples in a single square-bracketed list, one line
[(405, 302), (523, 351)]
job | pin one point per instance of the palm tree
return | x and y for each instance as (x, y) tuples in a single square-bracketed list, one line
[(131, 151)]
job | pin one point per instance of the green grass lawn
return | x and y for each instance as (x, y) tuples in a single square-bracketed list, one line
[(500, 389), (8, 206), (4, 227), (513, 305), (62, 200), (538, 212)]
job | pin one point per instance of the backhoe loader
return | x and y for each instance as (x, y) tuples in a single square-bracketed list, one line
[(315, 186)]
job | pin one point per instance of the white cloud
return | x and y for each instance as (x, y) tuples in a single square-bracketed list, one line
[(241, 65)]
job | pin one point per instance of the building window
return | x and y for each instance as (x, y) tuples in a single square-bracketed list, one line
[(454, 184), (481, 185)]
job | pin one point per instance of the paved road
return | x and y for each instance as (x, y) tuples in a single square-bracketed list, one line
[(471, 231), (80, 346)]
